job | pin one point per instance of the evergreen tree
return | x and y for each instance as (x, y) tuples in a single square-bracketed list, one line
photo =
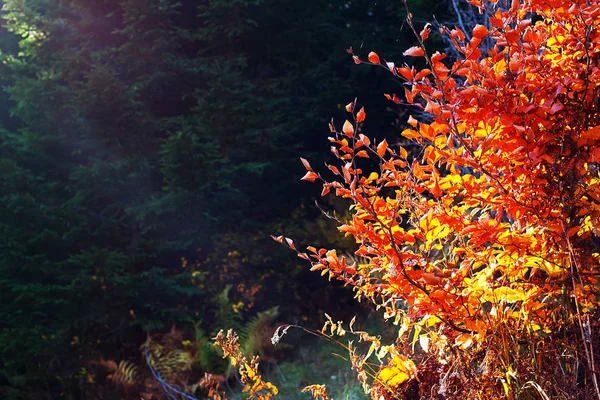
[(142, 130)]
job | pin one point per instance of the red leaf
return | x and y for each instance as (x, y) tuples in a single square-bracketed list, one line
[(374, 58), (512, 36), (360, 116), (333, 169), (422, 74), (437, 56), (556, 107), (436, 191), (410, 96), (414, 51), (349, 107), (290, 243), (356, 60), (497, 22), (480, 31), (406, 73)]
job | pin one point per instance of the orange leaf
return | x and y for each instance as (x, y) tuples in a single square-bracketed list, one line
[(403, 153), (431, 279), (346, 172), (333, 169), (432, 107), (410, 134), (364, 139), (381, 148), (348, 129), (410, 95), (349, 107), (362, 154), (480, 31), (436, 190), (422, 74), (497, 22), (512, 36), (306, 164), (310, 176), (437, 57), (414, 51), (465, 341), (374, 58), (406, 73), (360, 116), (412, 121), (277, 238)]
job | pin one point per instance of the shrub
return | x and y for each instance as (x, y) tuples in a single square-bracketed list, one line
[(482, 245)]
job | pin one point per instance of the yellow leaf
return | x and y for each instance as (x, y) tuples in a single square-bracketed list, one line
[(373, 176), (272, 388), (509, 295), (399, 370), (393, 376), (249, 371)]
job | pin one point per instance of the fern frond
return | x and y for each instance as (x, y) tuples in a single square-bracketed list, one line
[(178, 360), (126, 374), (225, 316), (207, 355), (255, 332)]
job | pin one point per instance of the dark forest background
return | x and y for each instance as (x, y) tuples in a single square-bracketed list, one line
[(148, 150)]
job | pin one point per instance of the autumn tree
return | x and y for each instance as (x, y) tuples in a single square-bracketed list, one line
[(482, 245)]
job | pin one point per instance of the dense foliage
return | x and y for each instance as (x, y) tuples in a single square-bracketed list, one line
[(482, 246), (147, 148)]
